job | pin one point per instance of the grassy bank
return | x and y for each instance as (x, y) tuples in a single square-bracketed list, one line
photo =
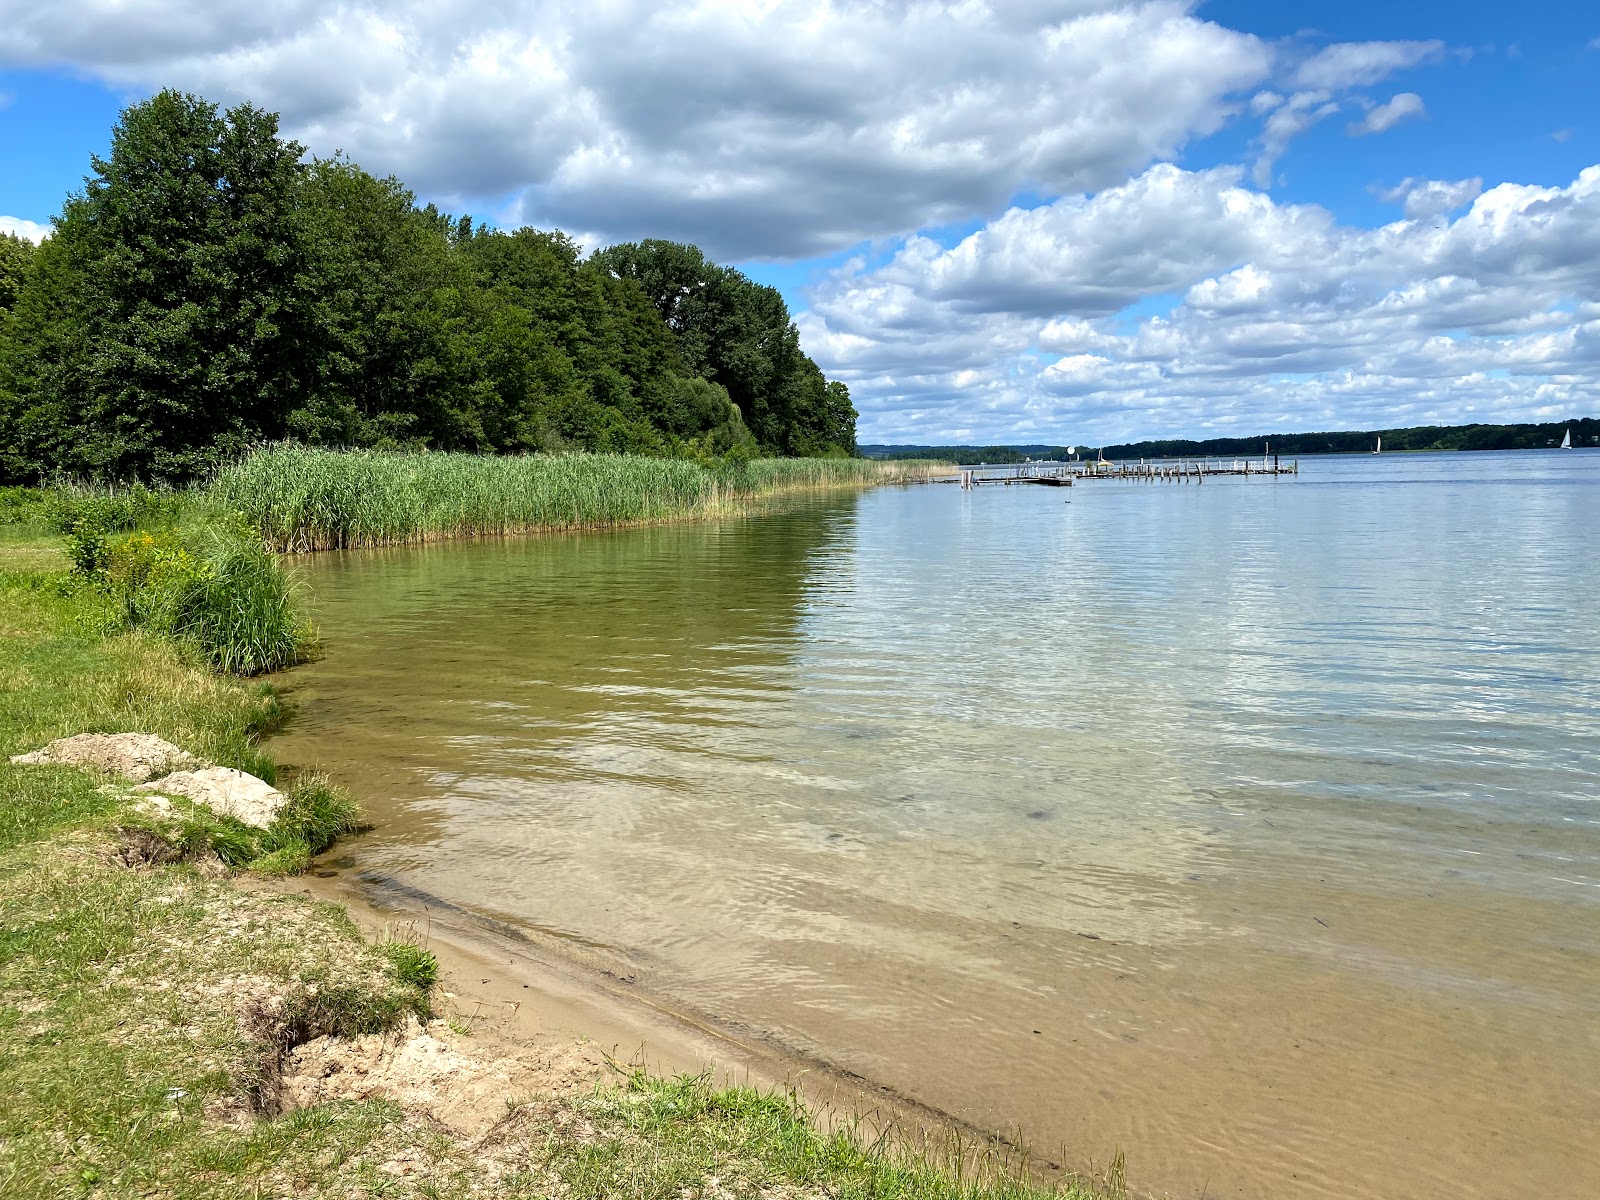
[(302, 499), (149, 1004)]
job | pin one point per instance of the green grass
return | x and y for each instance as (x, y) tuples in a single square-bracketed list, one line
[(302, 499), (668, 1138)]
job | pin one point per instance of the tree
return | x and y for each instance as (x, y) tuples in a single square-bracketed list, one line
[(191, 297), (738, 333), (15, 255), (208, 290)]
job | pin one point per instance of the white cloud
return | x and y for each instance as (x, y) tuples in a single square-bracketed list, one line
[(1421, 198), (1362, 64), (1287, 122), (776, 130), (1321, 87), (30, 230), (1381, 118), (1285, 319)]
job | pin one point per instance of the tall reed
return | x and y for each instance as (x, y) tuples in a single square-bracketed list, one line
[(303, 499)]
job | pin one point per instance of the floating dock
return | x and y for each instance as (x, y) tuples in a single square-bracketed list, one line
[(1065, 474)]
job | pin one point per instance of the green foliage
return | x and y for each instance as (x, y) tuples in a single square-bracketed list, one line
[(185, 266), (16, 254), (738, 334), (208, 291), (412, 964), (108, 509), (215, 587), (303, 499), (22, 506)]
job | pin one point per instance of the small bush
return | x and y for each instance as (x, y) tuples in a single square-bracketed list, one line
[(240, 608), (21, 506)]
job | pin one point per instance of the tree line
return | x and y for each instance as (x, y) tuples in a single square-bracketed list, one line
[(1528, 436), (212, 288)]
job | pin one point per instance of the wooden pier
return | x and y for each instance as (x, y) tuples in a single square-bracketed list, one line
[(1065, 474)]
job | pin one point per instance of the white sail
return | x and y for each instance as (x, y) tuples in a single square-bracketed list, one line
[(1379, 448), (1566, 442)]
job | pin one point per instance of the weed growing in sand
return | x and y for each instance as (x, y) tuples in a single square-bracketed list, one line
[(413, 964)]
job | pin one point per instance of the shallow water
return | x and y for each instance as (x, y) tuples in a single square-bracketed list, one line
[(1252, 827)]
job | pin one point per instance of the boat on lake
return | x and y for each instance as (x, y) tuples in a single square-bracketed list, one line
[(1566, 441)]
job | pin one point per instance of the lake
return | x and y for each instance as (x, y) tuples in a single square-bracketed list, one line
[(1251, 828)]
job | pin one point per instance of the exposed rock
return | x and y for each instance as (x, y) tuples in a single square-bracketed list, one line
[(226, 792), (134, 756)]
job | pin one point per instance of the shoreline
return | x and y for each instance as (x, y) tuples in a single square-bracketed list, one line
[(525, 986), (261, 1024)]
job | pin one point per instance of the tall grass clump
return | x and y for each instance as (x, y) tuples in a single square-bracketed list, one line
[(214, 587), (303, 499)]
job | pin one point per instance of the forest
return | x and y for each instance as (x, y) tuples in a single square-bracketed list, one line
[(213, 289)]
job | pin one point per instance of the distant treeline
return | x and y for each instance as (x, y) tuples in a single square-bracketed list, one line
[(210, 290), (1585, 432), (999, 455)]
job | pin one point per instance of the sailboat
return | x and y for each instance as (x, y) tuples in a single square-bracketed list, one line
[(1379, 449), (1566, 442)]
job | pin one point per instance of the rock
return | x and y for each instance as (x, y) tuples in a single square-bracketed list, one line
[(226, 792), (134, 756)]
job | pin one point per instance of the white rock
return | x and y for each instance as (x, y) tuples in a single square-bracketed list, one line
[(134, 756), (226, 792)]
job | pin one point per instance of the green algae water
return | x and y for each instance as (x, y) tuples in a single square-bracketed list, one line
[(1251, 828)]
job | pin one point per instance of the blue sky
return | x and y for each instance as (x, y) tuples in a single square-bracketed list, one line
[(1062, 219)]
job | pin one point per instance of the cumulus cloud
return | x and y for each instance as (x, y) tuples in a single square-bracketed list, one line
[(30, 230), (1284, 318), (780, 130), (1422, 198), (1381, 118)]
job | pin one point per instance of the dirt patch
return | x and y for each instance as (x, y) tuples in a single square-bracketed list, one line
[(436, 1073), (134, 756), (137, 848)]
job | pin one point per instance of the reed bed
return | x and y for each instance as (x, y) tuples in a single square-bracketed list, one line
[(303, 499)]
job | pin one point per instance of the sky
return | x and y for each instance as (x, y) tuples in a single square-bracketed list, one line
[(1055, 221)]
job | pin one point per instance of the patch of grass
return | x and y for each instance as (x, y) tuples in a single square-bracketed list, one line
[(140, 1007), (654, 1137), (413, 964), (303, 499)]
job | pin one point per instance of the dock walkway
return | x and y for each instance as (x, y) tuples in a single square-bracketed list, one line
[(1065, 474)]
